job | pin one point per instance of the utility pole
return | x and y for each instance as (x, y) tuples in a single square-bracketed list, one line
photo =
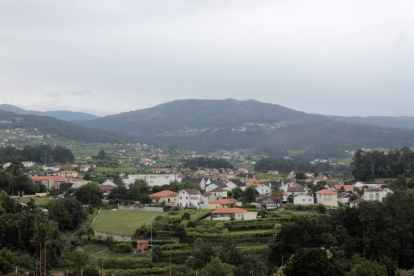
[(40, 265), (45, 258), (151, 240)]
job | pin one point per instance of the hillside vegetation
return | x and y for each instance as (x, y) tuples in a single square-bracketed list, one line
[(272, 130), (61, 115), (64, 129)]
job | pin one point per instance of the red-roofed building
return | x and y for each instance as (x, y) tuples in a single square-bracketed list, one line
[(223, 203), (170, 198), (237, 213), (327, 197), (346, 187)]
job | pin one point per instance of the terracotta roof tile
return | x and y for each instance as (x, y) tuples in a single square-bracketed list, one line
[(326, 192)]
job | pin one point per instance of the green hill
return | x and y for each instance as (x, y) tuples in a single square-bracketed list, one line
[(61, 115), (199, 114), (63, 129), (210, 125)]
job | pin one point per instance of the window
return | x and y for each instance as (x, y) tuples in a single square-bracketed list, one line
[(310, 199), (186, 197), (303, 199), (181, 197)]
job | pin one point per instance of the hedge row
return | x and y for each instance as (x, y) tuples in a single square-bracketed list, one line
[(126, 263), (138, 271), (173, 246)]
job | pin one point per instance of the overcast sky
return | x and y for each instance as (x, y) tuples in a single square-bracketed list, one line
[(338, 57)]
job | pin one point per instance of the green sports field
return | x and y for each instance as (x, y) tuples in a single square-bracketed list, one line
[(123, 223)]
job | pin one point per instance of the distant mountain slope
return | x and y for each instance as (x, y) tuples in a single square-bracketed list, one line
[(199, 114), (64, 129), (230, 124), (385, 121), (61, 115)]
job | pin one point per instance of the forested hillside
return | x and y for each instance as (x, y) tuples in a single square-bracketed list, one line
[(64, 129), (37, 154), (385, 121), (61, 115), (210, 125), (199, 114)]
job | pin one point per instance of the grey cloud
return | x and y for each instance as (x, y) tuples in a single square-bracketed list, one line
[(55, 94), (344, 57), (78, 92)]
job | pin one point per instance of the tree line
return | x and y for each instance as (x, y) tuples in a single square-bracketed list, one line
[(288, 165), (38, 154), (366, 166), (209, 163)]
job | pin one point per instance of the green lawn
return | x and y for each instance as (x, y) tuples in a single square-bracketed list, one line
[(41, 201), (123, 223)]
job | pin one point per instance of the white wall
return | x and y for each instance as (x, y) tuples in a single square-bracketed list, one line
[(153, 179)]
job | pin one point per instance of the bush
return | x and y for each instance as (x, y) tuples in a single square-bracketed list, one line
[(321, 208)]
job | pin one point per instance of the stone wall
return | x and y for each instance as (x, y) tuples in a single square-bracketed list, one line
[(115, 237), (148, 209)]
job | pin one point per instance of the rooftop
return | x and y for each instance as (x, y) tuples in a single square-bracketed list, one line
[(326, 192), (165, 193)]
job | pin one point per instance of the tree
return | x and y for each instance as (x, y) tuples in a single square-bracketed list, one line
[(216, 268), (312, 261), (87, 176), (91, 271), (157, 253), (367, 268), (67, 212), (203, 252), (250, 263), (301, 176), (250, 194), (89, 193), (182, 270), (237, 193), (101, 155), (80, 258)]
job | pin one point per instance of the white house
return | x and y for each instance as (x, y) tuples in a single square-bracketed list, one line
[(233, 183), (376, 194), (263, 189), (215, 185), (356, 202), (294, 190), (285, 186), (344, 197), (219, 192), (303, 199), (206, 199), (190, 197), (153, 179), (360, 185), (6, 165), (28, 164), (85, 168), (200, 181)]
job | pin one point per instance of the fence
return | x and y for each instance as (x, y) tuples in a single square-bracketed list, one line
[(148, 209)]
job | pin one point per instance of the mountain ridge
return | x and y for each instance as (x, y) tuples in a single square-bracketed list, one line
[(210, 125), (60, 114)]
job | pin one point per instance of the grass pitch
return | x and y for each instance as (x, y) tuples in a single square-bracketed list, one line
[(123, 223)]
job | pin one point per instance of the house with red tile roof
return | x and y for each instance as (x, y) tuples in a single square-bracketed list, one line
[(237, 213), (170, 198), (346, 187), (327, 197), (222, 203)]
